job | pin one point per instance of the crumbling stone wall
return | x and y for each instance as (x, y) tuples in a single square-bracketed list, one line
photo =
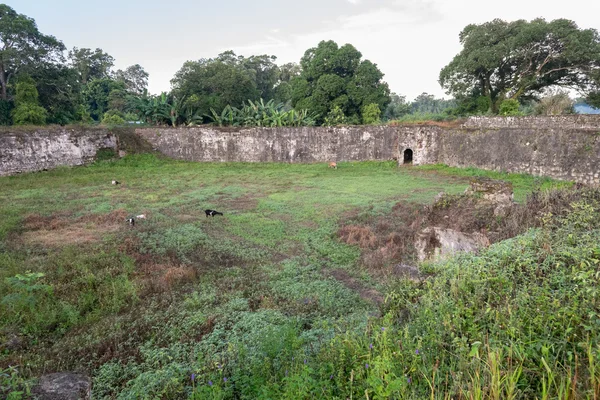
[(563, 147), (569, 151), (303, 144), (23, 150)]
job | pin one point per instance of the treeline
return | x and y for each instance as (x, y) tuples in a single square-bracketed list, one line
[(506, 68)]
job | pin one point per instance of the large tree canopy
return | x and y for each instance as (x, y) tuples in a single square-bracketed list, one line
[(227, 80), (135, 78), (22, 44), (518, 60), (91, 64), (335, 78)]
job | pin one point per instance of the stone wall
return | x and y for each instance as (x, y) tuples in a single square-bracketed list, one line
[(45, 148), (563, 147), (304, 145)]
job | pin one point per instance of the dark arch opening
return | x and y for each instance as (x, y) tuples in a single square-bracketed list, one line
[(408, 156)]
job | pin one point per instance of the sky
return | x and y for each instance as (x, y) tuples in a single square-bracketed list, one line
[(410, 41)]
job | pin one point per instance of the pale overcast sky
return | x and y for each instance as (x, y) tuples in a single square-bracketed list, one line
[(409, 40)]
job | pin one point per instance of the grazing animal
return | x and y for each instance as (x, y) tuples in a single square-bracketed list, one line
[(212, 213), (116, 182), (131, 221), (141, 216), (333, 165)]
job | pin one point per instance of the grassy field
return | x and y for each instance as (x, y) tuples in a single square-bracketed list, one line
[(184, 306)]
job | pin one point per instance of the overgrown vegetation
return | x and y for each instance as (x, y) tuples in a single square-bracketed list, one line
[(268, 302), (260, 113)]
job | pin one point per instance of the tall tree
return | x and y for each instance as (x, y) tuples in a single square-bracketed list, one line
[(135, 78), (336, 77), (91, 64), (59, 91), (426, 103), (215, 83), (97, 96), (283, 88), (22, 44), (265, 72), (518, 60), (397, 108)]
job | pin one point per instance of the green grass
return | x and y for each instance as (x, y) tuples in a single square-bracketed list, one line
[(243, 297)]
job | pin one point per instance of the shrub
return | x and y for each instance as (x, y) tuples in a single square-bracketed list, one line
[(558, 103), (371, 114), (509, 107), (27, 109), (113, 117), (335, 117)]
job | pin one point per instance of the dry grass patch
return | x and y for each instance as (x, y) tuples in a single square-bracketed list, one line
[(358, 235), (59, 230)]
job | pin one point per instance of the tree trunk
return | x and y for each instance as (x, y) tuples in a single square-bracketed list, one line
[(3, 83)]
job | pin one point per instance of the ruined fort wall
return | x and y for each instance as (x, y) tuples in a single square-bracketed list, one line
[(562, 147)]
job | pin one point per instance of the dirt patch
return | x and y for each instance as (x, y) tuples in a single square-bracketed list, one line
[(162, 277), (354, 284), (242, 203), (59, 229), (361, 236)]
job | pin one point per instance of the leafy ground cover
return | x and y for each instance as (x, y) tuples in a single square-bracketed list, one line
[(268, 301)]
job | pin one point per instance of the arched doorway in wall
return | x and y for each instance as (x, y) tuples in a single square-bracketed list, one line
[(408, 156)]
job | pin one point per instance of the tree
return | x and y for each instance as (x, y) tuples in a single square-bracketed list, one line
[(135, 78), (283, 88), (426, 103), (336, 76), (59, 91), (265, 73), (397, 108), (216, 83), (27, 109), (22, 44), (91, 64), (371, 114), (97, 98), (518, 60)]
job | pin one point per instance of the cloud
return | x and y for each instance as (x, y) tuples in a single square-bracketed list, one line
[(354, 1)]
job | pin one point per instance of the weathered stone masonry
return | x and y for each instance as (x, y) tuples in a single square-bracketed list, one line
[(46, 148), (563, 147)]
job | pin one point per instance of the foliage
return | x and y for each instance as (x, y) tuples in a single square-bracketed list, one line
[(259, 113), (97, 96), (225, 80), (593, 99), (91, 64), (426, 103), (397, 108), (113, 117), (509, 107), (59, 91), (335, 117), (558, 103), (135, 79), (27, 110), (518, 60), (472, 105), (283, 88), (337, 76), (5, 112), (21, 45), (371, 114)]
